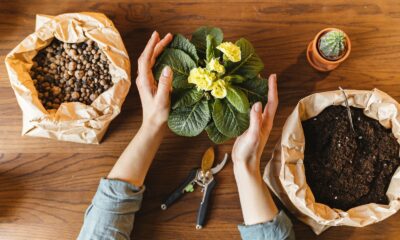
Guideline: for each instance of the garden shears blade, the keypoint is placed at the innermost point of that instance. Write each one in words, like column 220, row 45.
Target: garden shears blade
column 220, row 165
column 207, row 160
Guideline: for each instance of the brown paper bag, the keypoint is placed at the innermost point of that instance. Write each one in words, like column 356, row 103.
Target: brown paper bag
column 72, row 121
column 285, row 173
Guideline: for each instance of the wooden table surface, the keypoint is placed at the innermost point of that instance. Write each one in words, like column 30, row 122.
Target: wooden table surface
column 46, row 185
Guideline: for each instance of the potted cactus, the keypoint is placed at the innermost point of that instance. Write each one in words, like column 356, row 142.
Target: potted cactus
column 329, row 49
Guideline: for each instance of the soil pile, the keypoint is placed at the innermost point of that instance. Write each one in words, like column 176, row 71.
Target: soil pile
column 346, row 169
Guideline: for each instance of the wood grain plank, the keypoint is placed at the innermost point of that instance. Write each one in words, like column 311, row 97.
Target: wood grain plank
column 46, row 185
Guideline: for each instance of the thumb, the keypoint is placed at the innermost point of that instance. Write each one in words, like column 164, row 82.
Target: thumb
column 255, row 121
column 164, row 84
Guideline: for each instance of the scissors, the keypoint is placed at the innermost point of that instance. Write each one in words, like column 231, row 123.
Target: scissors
column 204, row 177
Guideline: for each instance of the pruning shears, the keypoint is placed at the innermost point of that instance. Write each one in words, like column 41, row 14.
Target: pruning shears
column 204, row 177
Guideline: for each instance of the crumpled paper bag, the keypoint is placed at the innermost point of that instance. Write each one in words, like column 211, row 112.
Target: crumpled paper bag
column 285, row 174
column 72, row 121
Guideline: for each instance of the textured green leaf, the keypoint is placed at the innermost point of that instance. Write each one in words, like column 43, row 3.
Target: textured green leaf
column 182, row 43
column 187, row 98
column 256, row 89
column 190, row 121
column 180, row 63
column 189, row 188
column 200, row 41
column 228, row 121
column 215, row 135
column 211, row 48
column 238, row 99
column 250, row 64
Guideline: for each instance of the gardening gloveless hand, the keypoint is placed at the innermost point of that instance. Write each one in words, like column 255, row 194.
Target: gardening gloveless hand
column 155, row 98
column 134, row 163
column 256, row 201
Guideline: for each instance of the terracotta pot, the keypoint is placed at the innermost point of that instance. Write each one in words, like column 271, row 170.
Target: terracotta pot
column 320, row 63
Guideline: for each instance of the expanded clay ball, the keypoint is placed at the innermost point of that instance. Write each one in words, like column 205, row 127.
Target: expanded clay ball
column 70, row 72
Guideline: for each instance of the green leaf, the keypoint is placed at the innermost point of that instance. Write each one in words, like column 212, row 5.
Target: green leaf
column 238, row 99
column 182, row 43
column 215, row 135
column 235, row 78
column 180, row 63
column 211, row 48
column 228, row 121
column 256, row 89
column 190, row 121
column 200, row 41
column 250, row 64
column 189, row 188
column 187, row 98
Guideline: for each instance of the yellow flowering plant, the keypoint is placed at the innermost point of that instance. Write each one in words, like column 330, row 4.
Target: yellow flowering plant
column 231, row 51
column 202, row 78
column 215, row 83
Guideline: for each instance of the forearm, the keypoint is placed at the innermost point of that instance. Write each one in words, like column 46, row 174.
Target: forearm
column 134, row 163
column 255, row 198
column 112, row 212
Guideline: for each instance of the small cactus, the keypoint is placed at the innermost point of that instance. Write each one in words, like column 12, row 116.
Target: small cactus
column 332, row 45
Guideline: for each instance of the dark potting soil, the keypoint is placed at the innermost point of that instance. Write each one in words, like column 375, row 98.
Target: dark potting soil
column 346, row 169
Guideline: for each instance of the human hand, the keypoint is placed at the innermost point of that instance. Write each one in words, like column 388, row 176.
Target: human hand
column 155, row 97
column 249, row 146
column 134, row 163
column 255, row 199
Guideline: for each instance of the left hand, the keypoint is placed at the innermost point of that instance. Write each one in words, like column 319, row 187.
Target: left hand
column 155, row 97
column 134, row 163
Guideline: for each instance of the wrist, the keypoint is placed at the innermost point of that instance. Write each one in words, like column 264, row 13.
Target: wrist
column 154, row 129
column 246, row 169
column 255, row 199
column 246, row 176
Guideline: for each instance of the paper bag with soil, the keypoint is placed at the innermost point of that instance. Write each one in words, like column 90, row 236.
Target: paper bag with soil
column 285, row 173
column 71, row 121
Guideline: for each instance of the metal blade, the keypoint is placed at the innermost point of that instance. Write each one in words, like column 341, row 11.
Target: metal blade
column 348, row 109
column 220, row 165
column 208, row 160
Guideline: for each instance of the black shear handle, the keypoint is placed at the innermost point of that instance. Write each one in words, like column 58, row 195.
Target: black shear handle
column 177, row 193
column 201, row 215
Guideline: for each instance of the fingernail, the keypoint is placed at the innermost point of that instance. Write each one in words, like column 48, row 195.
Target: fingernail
column 166, row 72
column 257, row 107
column 154, row 33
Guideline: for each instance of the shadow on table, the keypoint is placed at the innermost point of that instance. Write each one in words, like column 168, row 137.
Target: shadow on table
column 12, row 192
column 298, row 80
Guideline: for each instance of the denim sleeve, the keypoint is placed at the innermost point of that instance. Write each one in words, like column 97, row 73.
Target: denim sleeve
column 112, row 212
column 280, row 228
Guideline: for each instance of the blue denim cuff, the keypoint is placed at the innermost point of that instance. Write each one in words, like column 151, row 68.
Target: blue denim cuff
column 118, row 196
column 279, row 228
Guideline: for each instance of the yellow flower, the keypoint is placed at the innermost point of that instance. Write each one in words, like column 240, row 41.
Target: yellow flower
column 219, row 89
column 202, row 78
column 214, row 65
column 231, row 51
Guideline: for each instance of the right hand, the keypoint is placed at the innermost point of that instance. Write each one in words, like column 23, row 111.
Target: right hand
column 249, row 146
column 255, row 200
